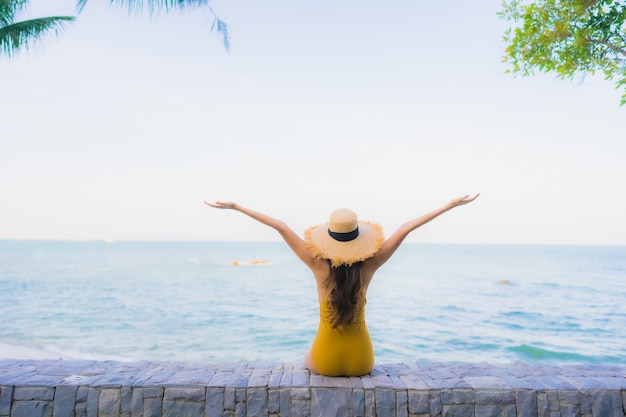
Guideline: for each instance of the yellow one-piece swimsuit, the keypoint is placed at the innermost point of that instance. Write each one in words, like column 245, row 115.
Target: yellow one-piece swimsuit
column 345, row 350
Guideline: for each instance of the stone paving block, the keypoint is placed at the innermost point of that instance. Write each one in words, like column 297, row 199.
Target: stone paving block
column 494, row 396
column 495, row 410
column 397, row 382
column 382, row 381
column 286, row 377
column 583, row 382
column 179, row 408
column 259, row 378
column 331, row 402
column 229, row 398
column 274, row 379
column 285, row 401
column 64, row 401
column 153, row 392
column 31, row 409
column 33, row 393
column 419, row 401
column 239, row 380
column 518, row 383
column 161, row 374
column 440, row 371
column 554, row 382
column 396, row 369
column 152, row 407
column 190, row 377
column 526, row 402
column 13, row 371
column 435, row 403
column 402, row 403
column 570, row 410
column 185, row 394
column 612, row 382
column 136, row 402
column 273, row 400
column 358, row 400
column 464, row 370
column 81, row 394
column 125, row 399
column 446, row 396
column 241, row 409
column 240, row 395
column 6, row 396
column 569, row 397
column 257, row 402
column 432, row 384
column 215, row 401
column 367, row 383
column 109, row 402
column 370, row 402
column 618, row 404
column 543, row 406
column 300, row 378
column 92, row 402
column 553, row 400
column 300, row 402
column 463, row 396
column 219, row 379
column 81, row 410
column 414, row 382
column 330, row 382
column 356, row 382
column 385, row 402
column 458, row 410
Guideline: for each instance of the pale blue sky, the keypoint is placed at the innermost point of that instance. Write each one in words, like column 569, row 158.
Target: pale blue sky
column 123, row 125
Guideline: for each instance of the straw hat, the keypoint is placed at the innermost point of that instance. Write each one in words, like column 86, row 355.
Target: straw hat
column 344, row 240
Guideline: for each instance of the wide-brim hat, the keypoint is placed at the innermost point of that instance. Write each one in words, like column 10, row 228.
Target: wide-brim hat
column 344, row 240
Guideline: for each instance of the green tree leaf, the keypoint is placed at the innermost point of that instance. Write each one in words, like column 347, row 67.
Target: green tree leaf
column 567, row 37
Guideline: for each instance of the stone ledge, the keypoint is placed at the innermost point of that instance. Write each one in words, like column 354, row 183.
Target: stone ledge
column 59, row 388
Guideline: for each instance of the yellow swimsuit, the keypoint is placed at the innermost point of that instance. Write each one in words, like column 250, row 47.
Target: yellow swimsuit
column 345, row 350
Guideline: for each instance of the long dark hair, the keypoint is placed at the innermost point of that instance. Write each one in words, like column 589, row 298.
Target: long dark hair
column 345, row 293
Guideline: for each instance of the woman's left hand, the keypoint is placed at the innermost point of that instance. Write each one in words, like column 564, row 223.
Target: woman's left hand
column 463, row 200
column 221, row 204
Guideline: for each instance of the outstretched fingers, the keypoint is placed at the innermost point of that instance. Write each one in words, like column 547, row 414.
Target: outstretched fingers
column 468, row 199
column 464, row 200
column 220, row 204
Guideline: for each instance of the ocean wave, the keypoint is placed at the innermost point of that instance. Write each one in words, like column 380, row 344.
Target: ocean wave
column 536, row 353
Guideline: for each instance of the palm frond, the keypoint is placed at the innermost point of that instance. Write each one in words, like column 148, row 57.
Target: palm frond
column 221, row 27
column 19, row 35
column 80, row 5
column 151, row 5
column 137, row 6
column 8, row 10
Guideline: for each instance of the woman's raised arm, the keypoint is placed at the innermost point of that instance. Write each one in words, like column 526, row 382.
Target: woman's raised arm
column 292, row 239
column 394, row 241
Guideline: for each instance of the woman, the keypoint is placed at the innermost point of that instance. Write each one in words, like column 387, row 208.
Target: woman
column 343, row 256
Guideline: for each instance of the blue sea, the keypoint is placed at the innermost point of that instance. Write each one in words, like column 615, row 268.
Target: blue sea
column 253, row 301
